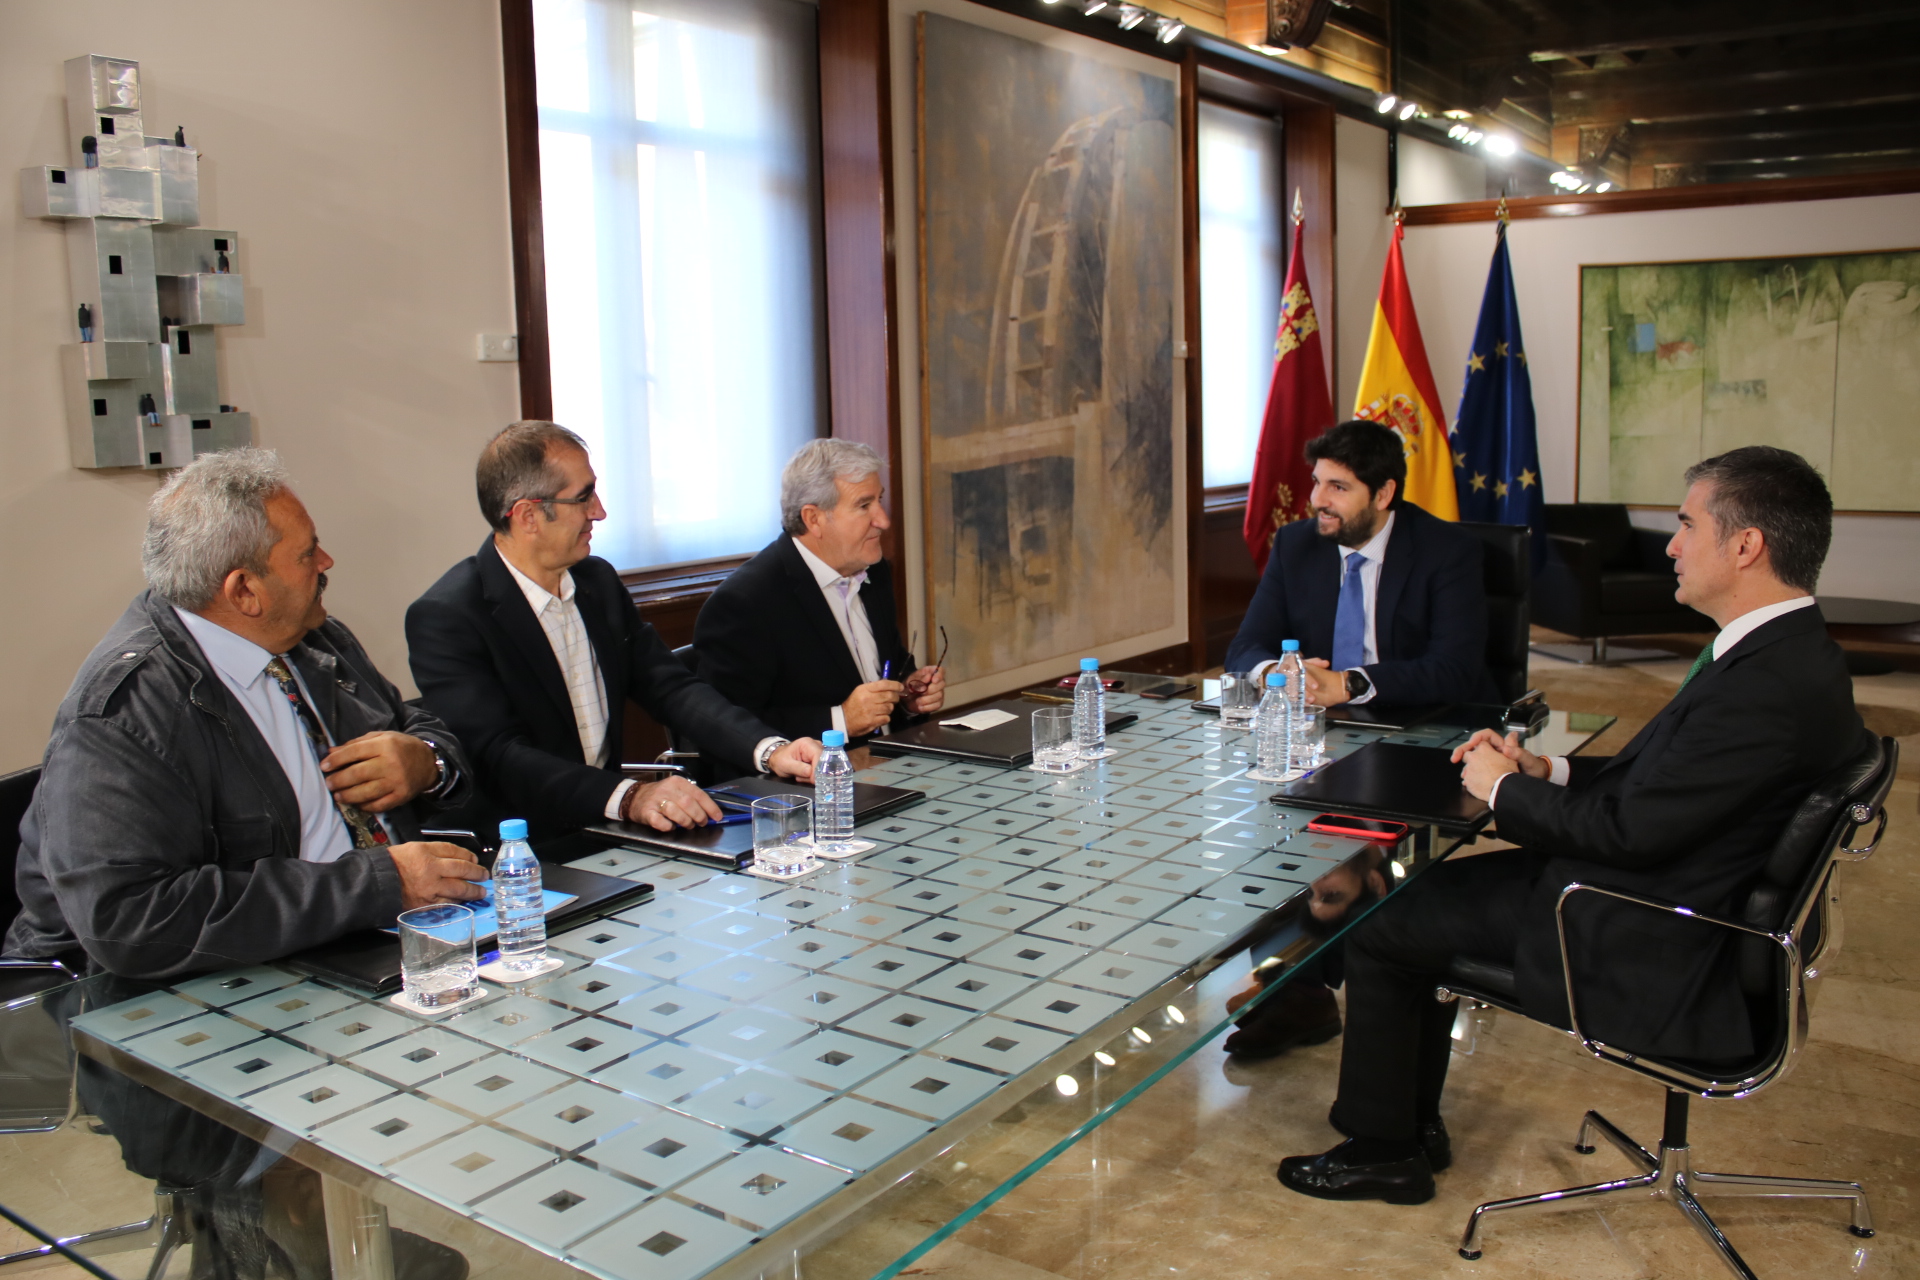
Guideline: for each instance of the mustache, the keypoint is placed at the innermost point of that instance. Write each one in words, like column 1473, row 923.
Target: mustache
column 320, row 588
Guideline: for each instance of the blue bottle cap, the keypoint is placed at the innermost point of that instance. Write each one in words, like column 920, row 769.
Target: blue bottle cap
column 513, row 828
column 1089, row 664
column 1275, row 680
column 1289, row 646
column 834, row 738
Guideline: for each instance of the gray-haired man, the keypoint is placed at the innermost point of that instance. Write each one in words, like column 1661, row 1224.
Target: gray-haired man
column 230, row 779
column 803, row 635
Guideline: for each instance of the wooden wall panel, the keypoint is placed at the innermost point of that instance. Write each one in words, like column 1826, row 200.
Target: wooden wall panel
column 523, row 204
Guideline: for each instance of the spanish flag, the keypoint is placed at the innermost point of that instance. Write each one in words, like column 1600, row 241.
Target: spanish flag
column 1397, row 390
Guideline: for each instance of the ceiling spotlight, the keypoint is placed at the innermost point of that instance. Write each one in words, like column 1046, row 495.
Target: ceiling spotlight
column 1473, row 137
column 1386, row 103
column 1501, row 145
column 1566, row 179
column 1091, row 7
column 1131, row 16
column 1605, row 186
column 1067, row 1086
column 1457, row 114
column 1104, row 1059
column 1409, row 110
column 1167, row 30
column 1458, row 132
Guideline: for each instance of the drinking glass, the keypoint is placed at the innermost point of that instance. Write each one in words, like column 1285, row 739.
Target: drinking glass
column 436, row 955
column 1310, row 737
column 1054, row 750
column 1239, row 695
column 783, row 835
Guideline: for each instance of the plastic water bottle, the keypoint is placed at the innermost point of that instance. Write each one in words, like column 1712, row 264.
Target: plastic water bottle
column 1294, row 669
column 833, row 795
column 518, row 900
column 1090, row 711
column 1273, row 731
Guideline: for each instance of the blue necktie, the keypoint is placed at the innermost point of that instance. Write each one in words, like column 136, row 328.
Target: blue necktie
column 1350, row 618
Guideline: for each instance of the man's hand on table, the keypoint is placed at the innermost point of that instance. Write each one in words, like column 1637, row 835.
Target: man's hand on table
column 1325, row 686
column 433, row 871
column 380, row 771
column 671, row 802
column 1490, row 757
column 795, row 760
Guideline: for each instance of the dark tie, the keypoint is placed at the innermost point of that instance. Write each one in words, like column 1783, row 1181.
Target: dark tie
column 366, row 832
column 1350, row 618
column 1706, row 656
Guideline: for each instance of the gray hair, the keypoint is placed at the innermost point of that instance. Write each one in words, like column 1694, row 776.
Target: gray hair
column 809, row 480
column 515, row 465
column 207, row 521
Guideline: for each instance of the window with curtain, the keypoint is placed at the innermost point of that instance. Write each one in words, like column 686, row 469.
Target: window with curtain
column 1242, row 268
column 680, row 190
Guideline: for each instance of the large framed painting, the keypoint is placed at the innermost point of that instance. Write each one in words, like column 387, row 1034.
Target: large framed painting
column 1680, row 361
column 1050, row 286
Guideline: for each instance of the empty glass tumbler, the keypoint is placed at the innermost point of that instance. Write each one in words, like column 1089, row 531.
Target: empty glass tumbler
column 1054, row 747
column 783, row 835
column 436, row 955
column 1239, row 697
column 1309, row 736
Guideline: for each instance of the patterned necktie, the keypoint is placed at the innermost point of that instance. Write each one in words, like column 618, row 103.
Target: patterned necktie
column 366, row 832
column 1350, row 618
column 1699, row 663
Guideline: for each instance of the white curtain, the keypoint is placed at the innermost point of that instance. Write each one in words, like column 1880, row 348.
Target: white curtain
column 1242, row 267
column 679, row 171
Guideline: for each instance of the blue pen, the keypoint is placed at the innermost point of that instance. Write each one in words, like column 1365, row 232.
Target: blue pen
column 886, row 669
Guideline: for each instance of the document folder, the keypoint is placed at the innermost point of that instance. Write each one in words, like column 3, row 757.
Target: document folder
column 1008, row 745
column 1416, row 785
column 731, row 846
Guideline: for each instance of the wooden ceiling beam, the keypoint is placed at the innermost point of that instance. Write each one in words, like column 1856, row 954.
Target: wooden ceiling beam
column 1678, row 93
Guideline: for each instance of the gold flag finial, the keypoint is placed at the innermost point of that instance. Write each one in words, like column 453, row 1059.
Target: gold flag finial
column 1500, row 213
column 1399, row 214
column 1299, row 209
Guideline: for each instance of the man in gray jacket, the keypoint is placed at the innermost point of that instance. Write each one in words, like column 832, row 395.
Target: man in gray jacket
column 230, row 779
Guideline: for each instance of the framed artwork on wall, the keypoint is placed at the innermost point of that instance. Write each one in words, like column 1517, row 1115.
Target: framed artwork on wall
column 1050, row 295
column 1819, row 354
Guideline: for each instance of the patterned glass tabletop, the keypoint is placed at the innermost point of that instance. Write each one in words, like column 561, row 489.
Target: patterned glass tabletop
column 720, row 1074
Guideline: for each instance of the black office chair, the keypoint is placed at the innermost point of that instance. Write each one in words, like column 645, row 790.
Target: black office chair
column 19, row 978
column 1604, row 577
column 1785, row 924
column 681, row 749
column 1508, row 575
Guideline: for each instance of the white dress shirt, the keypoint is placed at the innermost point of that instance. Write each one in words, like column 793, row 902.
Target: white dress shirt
column 242, row 667
column 849, row 612
column 1559, row 771
column 1375, row 551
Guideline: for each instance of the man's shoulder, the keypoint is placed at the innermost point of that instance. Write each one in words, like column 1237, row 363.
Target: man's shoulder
column 767, row 567
column 136, row 675
column 458, row 586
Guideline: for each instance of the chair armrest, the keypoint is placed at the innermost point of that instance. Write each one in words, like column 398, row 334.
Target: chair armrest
column 1650, row 545
column 13, row 964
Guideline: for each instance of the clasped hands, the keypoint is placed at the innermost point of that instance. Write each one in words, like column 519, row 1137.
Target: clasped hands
column 1490, row 757
column 871, row 705
column 675, row 802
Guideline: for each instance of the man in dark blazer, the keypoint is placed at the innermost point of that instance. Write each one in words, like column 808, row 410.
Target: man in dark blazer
column 803, row 635
column 1387, row 602
column 1687, row 812
column 533, row 646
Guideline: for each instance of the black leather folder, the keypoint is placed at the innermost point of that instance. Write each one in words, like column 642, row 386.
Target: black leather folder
column 731, row 846
column 1009, row 745
column 370, row 960
column 1419, row 786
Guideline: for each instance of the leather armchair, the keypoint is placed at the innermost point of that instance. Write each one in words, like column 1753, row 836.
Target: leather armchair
column 1605, row 578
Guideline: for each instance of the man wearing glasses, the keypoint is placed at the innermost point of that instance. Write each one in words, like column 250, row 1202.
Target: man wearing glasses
column 533, row 645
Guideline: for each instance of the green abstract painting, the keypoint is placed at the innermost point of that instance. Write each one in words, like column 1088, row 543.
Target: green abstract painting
column 1683, row 360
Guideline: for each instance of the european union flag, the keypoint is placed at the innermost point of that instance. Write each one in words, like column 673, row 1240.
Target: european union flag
column 1496, row 458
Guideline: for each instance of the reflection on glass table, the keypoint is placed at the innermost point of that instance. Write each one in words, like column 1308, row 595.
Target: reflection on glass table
column 738, row 1074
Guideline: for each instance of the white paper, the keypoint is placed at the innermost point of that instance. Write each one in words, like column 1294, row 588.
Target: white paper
column 983, row 719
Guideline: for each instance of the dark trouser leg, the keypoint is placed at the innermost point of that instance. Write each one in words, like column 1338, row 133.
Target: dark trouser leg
column 1393, row 1061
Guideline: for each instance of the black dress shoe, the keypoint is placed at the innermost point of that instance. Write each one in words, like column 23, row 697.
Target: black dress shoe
column 1297, row 1014
column 1339, row 1175
column 1432, row 1137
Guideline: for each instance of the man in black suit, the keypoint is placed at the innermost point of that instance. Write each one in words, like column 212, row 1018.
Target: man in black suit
column 803, row 635
column 1389, row 605
column 533, row 645
column 1687, row 812
column 1386, row 601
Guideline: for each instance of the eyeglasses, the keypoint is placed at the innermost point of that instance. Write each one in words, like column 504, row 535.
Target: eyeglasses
column 913, row 642
column 586, row 496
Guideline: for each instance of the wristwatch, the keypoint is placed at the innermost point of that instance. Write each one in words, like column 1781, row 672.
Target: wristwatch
column 766, row 753
column 1357, row 684
column 444, row 779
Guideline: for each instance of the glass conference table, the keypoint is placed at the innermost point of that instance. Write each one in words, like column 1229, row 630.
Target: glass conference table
column 736, row 1078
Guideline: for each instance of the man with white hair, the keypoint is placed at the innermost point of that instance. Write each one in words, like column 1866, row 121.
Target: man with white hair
column 803, row 635
column 229, row 779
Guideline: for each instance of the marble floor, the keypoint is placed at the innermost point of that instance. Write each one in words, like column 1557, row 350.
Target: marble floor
column 1182, row 1181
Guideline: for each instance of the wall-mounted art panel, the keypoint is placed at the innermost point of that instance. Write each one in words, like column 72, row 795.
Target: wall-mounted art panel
column 1050, row 278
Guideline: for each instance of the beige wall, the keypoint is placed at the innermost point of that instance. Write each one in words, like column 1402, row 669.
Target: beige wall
column 1876, row 556
column 358, row 149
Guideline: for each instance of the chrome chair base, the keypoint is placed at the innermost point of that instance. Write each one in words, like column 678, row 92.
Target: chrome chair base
column 1670, row 1176
column 167, row 1230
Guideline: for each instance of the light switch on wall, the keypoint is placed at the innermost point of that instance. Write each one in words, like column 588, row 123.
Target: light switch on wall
column 499, row 347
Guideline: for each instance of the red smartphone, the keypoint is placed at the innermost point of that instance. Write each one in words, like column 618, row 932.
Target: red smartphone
column 1067, row 682
column 1345, row 824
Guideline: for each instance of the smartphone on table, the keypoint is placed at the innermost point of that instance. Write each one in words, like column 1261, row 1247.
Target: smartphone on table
column 1346, row 824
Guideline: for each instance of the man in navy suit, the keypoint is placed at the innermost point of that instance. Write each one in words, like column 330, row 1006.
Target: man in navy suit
column 1389, row 606
column 1386, row 601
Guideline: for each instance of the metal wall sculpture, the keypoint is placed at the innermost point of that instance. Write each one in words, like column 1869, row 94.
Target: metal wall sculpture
column 1050, row 271
column 149, row 283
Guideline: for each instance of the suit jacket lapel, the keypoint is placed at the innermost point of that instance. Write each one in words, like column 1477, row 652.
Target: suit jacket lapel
column 813, row 606
column 607, row 650
column 1395, row 569
column 515, row 617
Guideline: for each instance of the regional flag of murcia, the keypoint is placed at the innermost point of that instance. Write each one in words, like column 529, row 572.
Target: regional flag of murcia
column 1397, row 390
column 1298, row 409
